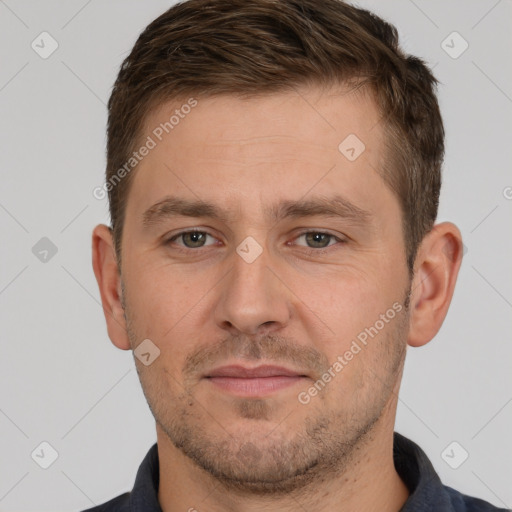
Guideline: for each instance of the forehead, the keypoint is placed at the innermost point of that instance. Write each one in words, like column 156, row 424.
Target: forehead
column 278, row 144
column 318, row 115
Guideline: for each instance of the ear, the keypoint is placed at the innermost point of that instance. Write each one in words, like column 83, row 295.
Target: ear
column 435, row 273
column 107, row 274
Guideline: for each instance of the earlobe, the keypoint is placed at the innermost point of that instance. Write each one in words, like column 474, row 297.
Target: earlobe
column 109, row 282
column 436, row 268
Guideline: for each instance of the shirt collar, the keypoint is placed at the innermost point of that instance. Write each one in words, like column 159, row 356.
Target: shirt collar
column 416, row 471
column 144, row 496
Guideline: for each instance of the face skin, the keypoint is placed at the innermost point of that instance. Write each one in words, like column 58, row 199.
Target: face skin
column 296, row 306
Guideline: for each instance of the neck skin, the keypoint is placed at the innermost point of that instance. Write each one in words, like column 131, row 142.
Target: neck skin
column 370, row 483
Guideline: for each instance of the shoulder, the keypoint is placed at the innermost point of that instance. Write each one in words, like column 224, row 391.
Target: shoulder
column 117, row 504
column 144, row 494
column 463, row 503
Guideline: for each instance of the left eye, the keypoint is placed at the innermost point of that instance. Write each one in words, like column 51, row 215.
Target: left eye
column 192, row 239
column 317, row 239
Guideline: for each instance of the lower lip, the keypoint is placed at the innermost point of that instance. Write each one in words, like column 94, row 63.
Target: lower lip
column 256, row 386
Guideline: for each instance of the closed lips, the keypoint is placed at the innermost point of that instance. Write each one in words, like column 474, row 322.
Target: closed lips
column 241, row 372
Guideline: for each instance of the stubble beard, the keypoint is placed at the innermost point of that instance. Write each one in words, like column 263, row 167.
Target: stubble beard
column 271, row 461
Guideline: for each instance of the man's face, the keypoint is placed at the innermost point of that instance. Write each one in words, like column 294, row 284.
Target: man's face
column 212, row 299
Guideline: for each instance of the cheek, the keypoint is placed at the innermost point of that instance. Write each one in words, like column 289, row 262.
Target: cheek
column 343, row 303
column 160, row 298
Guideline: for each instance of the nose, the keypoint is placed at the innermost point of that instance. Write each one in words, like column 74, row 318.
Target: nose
column 252, row 299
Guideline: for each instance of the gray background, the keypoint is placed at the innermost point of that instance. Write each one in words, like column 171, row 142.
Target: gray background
column 63, row 382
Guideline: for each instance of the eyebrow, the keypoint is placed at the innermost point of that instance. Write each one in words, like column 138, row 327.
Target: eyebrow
column 335, row 206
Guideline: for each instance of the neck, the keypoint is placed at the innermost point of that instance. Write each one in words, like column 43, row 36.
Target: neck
column 369, row 482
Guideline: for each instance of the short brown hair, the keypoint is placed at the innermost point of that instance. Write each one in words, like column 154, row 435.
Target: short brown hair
column 253, row 47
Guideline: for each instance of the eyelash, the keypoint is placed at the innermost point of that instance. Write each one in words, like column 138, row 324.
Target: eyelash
column 308, row 250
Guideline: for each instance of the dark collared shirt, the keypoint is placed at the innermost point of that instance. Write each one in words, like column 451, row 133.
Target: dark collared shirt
column 427, row 493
